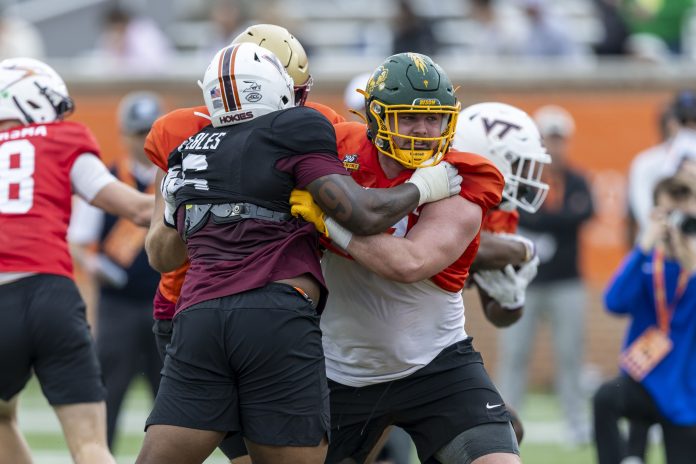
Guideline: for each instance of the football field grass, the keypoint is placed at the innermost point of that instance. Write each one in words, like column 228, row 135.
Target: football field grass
column 543, row 444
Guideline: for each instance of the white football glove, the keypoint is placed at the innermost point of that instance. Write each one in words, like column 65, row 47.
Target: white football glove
column 506, row 286
column 171, row 183
column 436, row 182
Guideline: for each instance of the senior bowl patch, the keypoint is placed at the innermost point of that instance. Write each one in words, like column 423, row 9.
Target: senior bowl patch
column 350, row 162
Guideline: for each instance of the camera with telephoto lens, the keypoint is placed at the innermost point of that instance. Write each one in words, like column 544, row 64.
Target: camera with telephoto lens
column 684, row 222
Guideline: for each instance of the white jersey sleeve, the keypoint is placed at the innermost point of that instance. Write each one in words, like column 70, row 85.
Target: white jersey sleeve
column 88, row 176
column 86, row 223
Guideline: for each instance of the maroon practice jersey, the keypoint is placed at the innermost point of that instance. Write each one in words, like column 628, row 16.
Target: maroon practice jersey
column 35, row 195
column 258, row 162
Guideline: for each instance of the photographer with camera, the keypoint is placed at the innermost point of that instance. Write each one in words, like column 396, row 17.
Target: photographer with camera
column 656, row 287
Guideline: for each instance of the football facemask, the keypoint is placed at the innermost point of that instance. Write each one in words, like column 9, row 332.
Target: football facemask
column 510, row 139
column 418, row 150
column 410, row 83
column 32, row 92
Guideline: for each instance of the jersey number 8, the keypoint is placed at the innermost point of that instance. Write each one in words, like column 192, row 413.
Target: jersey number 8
column 16, row 176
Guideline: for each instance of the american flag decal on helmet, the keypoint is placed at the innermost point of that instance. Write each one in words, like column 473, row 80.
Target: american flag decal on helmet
column 228, row 83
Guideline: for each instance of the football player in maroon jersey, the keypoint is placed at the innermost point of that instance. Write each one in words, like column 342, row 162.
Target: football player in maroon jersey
column 43, row 161
column 246, row 354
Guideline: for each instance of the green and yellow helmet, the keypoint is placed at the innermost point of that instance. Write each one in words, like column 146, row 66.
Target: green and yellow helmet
column 409, row 83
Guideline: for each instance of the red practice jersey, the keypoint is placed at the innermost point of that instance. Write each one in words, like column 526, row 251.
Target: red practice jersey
column 35, row 194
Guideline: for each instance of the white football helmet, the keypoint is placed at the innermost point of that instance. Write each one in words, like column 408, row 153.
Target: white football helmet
column 245, row 81
column 509, row 138
column 32, row 92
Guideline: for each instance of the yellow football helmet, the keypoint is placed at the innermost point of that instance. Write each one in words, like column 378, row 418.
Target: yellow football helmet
column 289, row 51
column 410, row 83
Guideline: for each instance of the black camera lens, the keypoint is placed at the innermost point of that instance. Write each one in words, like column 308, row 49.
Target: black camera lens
column 682, row 221
column 688, row 225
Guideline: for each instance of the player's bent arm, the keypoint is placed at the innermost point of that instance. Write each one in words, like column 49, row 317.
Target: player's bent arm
column 444, row 230
column 495, row 252
column 93, row 182
column 360, row 210
column 165, row 249
column 626, row 289
column 494, row 311
column 123, row 200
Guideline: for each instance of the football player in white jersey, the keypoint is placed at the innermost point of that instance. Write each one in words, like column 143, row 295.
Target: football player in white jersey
column 396, row 349
column 506, row 262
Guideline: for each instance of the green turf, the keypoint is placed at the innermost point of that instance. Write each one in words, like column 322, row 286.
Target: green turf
column 539, row 408
column 558, row 454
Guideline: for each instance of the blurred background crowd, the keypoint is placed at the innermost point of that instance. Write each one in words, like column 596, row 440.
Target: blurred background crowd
column 149, row 34
column 611, row 71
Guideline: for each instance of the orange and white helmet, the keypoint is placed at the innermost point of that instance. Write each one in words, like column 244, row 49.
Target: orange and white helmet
column 509, row 138
column 32, row 92
column 245, row 81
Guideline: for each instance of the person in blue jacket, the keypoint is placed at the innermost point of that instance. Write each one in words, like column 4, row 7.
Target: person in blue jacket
column 656, row 288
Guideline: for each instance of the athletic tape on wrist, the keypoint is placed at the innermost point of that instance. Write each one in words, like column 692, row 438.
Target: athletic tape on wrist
column 338, row 234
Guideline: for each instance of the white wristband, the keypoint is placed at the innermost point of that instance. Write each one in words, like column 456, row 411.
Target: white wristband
column 338, row 234
column 423, row 189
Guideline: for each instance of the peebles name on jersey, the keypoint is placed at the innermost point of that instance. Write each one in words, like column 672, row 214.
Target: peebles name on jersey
column 219, row 160
column 202, row 141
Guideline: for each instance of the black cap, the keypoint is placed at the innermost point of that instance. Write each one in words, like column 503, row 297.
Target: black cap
column 684, row 106
column 138, row 111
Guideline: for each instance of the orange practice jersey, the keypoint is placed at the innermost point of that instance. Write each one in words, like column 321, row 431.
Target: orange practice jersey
column 167, row 133
column 498, row 221
column 482, row 184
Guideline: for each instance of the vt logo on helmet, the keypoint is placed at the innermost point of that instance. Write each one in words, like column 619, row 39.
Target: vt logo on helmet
column 509, row 138
column 411, row 110
column 245, row 81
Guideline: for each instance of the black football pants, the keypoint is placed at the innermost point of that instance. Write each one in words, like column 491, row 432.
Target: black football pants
column 624, row 397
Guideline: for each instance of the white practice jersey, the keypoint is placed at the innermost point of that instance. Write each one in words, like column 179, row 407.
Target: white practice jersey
column 377, row 330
